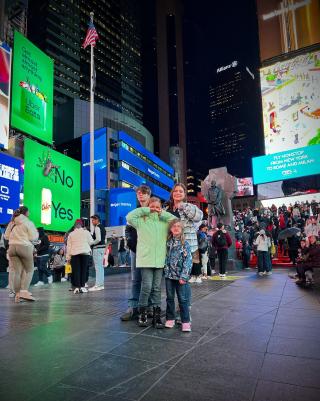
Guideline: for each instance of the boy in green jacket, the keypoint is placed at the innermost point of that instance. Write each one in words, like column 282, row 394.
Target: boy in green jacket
column 152, row 225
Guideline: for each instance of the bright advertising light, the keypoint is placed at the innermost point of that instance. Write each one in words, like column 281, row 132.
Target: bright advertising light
column 51, row 187
column 32, row 90
column 244, row 186
column 291, row 103
column 5, row 72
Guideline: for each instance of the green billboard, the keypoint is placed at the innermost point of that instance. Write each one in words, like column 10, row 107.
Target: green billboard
column 51, row 187
column 32, row 90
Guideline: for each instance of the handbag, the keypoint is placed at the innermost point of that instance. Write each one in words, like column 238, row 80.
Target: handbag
column 67, row 268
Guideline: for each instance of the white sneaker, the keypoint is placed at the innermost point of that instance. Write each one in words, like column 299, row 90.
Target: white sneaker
column 50, row 280
column 83, row 289
column 264, row 273
column 213, row 272
column 86, row 285
column 12, row 294
column 64, row 279
column 198, row 280
column 261, row 274
column 76, row 291
column 192, row 279
column 39, row 283
column 96, row 288
column 268, row 273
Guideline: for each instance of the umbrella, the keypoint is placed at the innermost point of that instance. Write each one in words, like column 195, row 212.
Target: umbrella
column 289, row 232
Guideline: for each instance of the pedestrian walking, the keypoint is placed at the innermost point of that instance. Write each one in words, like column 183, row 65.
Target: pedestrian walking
column 42, row 258
column 122, row 253
column 221, row 240
column 151, row 224
column 99, row 245
column 21, row 234
column 177, row 271
column 78, row 251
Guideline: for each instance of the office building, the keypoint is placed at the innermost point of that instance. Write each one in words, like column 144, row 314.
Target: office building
column 59, row 29
column 234, row 112
column 13, row 16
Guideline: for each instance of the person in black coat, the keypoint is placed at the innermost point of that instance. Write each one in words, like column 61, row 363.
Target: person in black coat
column 42, row 258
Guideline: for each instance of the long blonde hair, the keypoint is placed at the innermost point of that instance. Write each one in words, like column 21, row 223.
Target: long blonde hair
column 172, row 223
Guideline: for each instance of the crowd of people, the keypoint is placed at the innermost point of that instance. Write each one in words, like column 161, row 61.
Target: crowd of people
column 169, row 240
column 271, row 232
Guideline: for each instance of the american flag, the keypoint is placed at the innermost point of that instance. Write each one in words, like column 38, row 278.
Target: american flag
column 92, row 36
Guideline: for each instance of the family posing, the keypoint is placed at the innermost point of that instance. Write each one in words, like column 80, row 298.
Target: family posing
column 162, row 242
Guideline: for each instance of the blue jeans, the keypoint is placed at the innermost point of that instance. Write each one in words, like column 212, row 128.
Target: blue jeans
column 97, row 254
column 133, row 302
column 122, row 258
column 150, row 287
column 42, row 265
column 264, row 262
column 184, row 297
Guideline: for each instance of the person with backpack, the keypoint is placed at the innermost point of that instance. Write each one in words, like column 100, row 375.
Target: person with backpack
column 221, row 240
column 99, row 244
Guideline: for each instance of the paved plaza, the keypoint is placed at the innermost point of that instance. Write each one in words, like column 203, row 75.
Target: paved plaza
column 253, row 339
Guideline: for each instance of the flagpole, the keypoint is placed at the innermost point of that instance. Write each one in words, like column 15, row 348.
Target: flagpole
column 92, row 197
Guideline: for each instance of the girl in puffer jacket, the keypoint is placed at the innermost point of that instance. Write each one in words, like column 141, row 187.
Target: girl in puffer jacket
column 177, row 273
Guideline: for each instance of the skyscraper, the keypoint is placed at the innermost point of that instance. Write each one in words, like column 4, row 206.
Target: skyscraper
column 13, row 16
column 234, row 115
column 59, row 29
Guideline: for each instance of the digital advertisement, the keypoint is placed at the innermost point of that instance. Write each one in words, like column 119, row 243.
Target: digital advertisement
column 291, row 103
column 51, row 187
column 100, row 160
column 32, row 90
column 10, row 182
column 121, row 202
column 5, row 72
column 284, row 165
column 244, row 186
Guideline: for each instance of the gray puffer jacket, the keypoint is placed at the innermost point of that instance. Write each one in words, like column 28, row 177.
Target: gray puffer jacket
column 191, row 216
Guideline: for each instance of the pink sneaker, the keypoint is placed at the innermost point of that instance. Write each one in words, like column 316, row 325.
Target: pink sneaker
column 169, row 324
column 186, row 327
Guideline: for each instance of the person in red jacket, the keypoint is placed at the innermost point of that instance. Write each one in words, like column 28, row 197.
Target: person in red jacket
column 221, row 240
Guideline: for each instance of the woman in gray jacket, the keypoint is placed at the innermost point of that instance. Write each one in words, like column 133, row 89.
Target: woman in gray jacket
column 21, row 234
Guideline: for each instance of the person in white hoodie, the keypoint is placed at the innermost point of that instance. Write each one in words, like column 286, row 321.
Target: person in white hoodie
column 263, row 244
column 21, row 234
column 78, row 251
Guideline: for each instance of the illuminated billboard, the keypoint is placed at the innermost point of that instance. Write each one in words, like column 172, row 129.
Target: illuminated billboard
column 284, row 165
column 100, row 160
column 287, row 25
column 10, row 180
column 121, row 202
column 291, row 103
column 244, row 186
column 32, row 90
column 5, row 72
column 51, row 187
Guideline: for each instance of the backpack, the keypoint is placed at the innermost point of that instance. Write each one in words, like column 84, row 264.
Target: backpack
column 221, row 239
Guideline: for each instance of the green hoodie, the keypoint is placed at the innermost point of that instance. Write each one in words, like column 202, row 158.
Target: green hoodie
column 152, row 231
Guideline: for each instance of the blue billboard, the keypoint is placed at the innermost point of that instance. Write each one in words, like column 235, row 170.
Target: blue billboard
column 136, row 145
column 144, row 167
column 100, row 160
column 136, row 180
column 10, row 181
column 284, row 165
column 121, row 202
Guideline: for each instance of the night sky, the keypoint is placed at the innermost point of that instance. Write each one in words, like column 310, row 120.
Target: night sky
column 215, row 34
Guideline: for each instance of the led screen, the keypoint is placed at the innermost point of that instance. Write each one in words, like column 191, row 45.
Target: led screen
column 100, row 160
column 284, row 165
column 291, row 103
column 32, row 90
column 10, row 180
column 121, row 202
column 51, row 187
column 5, row 72
column 244, row 186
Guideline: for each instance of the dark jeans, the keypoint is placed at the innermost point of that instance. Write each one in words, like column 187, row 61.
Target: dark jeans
column 264, row 262
column 293, row 254
column 212, row 263
column 79, row 264
column 184, row 298
column 58, row 272
column 223, row 259
column 150, row 287
column 301, row 270
column 246, row 258
column 42, row 265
